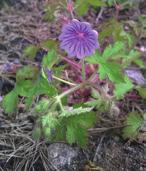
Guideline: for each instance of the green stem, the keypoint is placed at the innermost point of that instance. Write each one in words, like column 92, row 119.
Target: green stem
column 72, row 90
column 64, row 81
column 60, row 103
column 83, row 69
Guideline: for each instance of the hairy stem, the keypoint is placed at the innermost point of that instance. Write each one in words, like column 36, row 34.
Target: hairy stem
column 72, row 90
column 64, row 81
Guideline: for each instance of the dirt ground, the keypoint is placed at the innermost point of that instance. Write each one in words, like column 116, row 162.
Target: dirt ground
column 22, row 24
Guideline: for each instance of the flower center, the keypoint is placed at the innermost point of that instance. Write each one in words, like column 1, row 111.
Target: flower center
column 80, row 34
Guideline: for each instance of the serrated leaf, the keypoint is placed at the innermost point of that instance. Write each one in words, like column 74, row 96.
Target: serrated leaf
column 87, row 120
column 115, row 30
column 81, row 7
column 82, row 137
column 133, row 122
column 76, row 127
column 70, row 134
column 113, row 50
column 50, row 59
column 122, row 88
column 9, row 102
column 24, row 88
column 94, row 58
column 112, row 70
column 44, row 87
column 42, row 106
column 111, row 28
column 49, row 44
column 27, row 72
column 31, row 51
column 49, row 123
column 132, row 57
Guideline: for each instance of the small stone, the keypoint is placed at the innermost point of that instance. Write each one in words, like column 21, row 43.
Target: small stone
column 63, row 157
column 3, row 47
column 14, row 55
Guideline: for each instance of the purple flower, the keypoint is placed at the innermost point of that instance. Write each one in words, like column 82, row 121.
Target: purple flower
column 78, row 39
column 8, row 67
column 49, row 74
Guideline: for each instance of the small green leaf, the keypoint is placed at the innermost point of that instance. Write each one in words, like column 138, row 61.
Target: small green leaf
column 70, row 134
column 122, row 88
column 24, row 87
column 9, row 102
column 44, row 87
column 49, row 123
column 49, row 44
column 31, row 51
column 82, row 137
column 50, row 59
column 114, row 50
column 132, row 56
column 42, row 106
column 113, row 70
column 27, row 72
column 133, row 122
column 142, row 91
column 94, row 58
column 81, row 7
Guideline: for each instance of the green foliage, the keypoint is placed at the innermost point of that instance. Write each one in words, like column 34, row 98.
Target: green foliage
column 142, row 91
column 99, row 102
column 55, row 120
column 70, row 125
column 132, row 56
column 52, row 9
column 107, row 68
column 10, row 102
column 42, row 106
column 27, row 72
column 49, row 122
column 115, row 30
column 29, row 84
column 31, row 51
column 24, row 87
column 114, row 50
column 49, row 44
column 112, row 70
column 122, row 88
column 76, row 126
column 112, row 62
column 50, row 59
column 82, row 6
column 133, row 122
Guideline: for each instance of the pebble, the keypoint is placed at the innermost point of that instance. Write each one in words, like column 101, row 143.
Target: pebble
column 63, row 157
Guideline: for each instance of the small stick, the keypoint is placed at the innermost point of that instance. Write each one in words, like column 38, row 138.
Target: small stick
column 100, row 14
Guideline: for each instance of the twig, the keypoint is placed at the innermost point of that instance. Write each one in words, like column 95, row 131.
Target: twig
column 100, row 14
column 97, row 149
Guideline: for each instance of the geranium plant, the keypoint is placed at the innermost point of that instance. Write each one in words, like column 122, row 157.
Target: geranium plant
column 64, row 92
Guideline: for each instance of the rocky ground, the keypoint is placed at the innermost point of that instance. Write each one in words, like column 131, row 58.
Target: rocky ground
column 21, row 24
